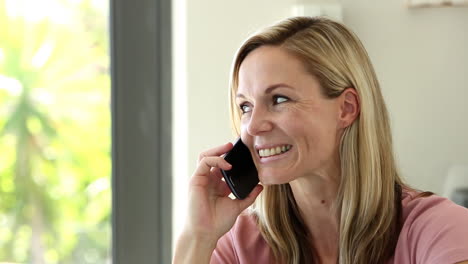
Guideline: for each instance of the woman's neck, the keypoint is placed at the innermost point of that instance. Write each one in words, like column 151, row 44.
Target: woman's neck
column 315, row 196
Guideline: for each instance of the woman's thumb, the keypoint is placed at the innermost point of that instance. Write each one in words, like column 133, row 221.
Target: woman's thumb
column 243, row 204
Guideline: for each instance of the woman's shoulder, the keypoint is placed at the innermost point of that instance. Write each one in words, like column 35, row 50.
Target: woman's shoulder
column 245, row 231
column 244, row 243
column 246, row 221
column 417, row 206
column 434, row 230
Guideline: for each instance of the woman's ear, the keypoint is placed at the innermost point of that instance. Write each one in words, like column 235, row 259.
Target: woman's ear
column 349, row 107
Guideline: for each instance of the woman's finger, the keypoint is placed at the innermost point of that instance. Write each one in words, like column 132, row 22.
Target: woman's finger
column 222, row 189
column 205, row 165
column 217, row 173
column 217, row 151
column 243, row 204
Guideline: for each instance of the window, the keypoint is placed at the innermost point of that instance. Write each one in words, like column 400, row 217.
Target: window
column 55, row 166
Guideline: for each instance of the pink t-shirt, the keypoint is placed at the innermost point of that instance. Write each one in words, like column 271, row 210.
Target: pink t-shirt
column 435, row 230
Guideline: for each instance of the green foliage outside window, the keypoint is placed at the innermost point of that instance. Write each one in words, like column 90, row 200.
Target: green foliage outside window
column 55, row 195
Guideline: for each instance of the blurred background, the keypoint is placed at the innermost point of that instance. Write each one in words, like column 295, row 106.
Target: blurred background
column 55, row 164
column 55, row 117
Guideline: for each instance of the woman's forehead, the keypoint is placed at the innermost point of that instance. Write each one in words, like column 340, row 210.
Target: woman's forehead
column 268, row 67
column 270, row 59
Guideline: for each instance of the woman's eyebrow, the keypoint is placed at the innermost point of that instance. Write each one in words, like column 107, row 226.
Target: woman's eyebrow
column 273, row 87
column 270, row 89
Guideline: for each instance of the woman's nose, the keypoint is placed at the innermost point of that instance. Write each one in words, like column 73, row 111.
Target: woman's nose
column 260, row 121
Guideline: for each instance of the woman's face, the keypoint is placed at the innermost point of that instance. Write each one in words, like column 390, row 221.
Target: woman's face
column 291, row 129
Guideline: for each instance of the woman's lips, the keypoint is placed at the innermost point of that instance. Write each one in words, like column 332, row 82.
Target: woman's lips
column 272, row 154
column 272, row 151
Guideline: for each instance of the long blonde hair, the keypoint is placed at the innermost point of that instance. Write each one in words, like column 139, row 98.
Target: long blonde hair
column 368, row 204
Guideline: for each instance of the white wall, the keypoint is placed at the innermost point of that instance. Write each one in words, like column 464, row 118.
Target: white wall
column 421, row 58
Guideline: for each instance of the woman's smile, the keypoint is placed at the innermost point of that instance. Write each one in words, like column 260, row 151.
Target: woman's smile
column 273, row 153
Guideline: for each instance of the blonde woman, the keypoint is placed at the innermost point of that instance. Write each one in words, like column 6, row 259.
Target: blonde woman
column 333, row 193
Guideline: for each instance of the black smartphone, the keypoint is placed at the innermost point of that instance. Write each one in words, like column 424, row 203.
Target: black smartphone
column 242, row 177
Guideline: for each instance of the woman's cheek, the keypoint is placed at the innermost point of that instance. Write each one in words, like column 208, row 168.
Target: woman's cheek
column 245, row 135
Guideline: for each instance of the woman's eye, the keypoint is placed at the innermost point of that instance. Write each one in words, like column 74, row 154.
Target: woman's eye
column 245, row 108
column 278, row 99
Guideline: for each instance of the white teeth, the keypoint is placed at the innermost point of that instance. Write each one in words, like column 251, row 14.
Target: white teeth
column 273, row 151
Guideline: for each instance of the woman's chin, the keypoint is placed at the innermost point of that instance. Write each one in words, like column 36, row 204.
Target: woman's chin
column 267, row 177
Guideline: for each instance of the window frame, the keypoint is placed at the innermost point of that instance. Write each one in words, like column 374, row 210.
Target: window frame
column 140, row 34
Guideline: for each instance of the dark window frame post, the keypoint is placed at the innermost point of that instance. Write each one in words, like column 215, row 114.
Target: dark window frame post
column 141, row 131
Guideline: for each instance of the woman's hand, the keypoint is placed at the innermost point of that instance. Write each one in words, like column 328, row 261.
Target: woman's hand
column 211, row 212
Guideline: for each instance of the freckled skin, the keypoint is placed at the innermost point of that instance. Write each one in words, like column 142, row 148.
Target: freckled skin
column 306, row 120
